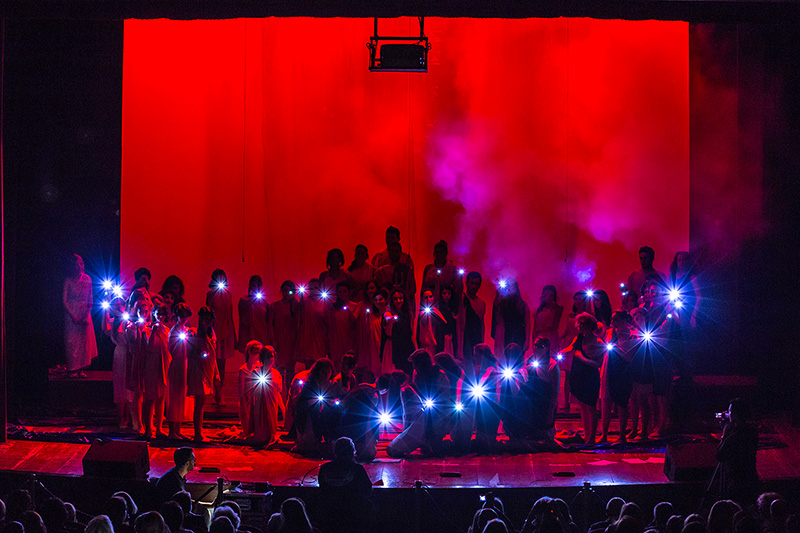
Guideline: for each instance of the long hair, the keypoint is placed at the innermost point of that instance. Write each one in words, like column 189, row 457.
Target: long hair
column 171, row 280
column 673, row 268
column 353, row 263
column 551, row 288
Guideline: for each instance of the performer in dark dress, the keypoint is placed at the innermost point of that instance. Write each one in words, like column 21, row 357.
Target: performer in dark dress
column 587, row 350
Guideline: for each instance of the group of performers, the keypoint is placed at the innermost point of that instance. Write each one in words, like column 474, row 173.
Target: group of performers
column 353, row 350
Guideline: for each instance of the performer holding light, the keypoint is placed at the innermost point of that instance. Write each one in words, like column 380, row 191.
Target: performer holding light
column 202, row 375
column 253, row 315
column 219, row 299
column 181, row 340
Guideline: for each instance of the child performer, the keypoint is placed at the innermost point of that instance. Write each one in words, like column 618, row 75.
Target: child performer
column 202, row 374
column 219, row 299
column 181, row 337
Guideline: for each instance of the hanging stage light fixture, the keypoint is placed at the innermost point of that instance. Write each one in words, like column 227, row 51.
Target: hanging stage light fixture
column 399, row 55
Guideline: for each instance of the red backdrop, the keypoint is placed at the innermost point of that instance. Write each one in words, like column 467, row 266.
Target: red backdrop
column 549, row 150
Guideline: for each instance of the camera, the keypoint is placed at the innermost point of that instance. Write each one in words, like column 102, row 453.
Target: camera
column 723, row 416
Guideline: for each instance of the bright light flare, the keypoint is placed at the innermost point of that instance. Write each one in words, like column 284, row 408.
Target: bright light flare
column 478, row 390
column 259, row 295
column 205, row 354
column 461, row 271
column 559, row 357
column 117, row 290
column 107, row 284
column 622, row 285
column 647, row 336
column 105, row 305
column 590, row 293
column 320, row 398
column 428, row 403
column 141, row 320
column 508, row 373
column 301, row 289
column 324, row 295
column 678, row 304
column 300, row 382
column 344, row 307
column 609, row 347
column 221, row 285
column 438, row 270
column 535, row 364
column 503, row 284
column 182, row 335
column 262, row 379
column 669, row 316
column 384, row 418
column 126, row 316
column 427, row 310
column 674, row 294
column 459, row 406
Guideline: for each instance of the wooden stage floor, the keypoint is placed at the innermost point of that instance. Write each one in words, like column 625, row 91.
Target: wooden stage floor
column 281, row 468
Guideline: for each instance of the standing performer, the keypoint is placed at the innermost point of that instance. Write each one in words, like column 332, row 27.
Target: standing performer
column 181, row 339
column 471, row 326
column 442, row 273
column 368, row 334
column 313, row 337
column 548, row 316
column 79, row 339
column 621, row 347
column 284, row 325
column 637, row 278
column 156, row 368
column 202, row 374
column 396, row 342
column 114, row 326
column 253, row 315
column 397, row 275
column 587, row 356
column 219, row 299
column 431, row 325
column 362, row 273
column 136, row 335
column 341, row 325
column 510, row 318
column 249, row 374
column 329, row 279
column 449, row 306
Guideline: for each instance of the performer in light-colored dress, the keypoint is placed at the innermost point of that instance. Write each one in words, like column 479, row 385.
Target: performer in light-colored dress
column 79, row 339
column 253, row 315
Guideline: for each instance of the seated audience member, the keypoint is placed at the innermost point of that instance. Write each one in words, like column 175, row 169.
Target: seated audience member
column 172, row 514
column 613, row 508
column 495, row 525
column 481, row 518
column 661, row 513
column 191, row 521
column 54, row 515
column 345, row 488
column 116, row 509
column 720, row 517
column 99, row 524
column 133, row 510
column 292, row 517
column 150, row 522
column 174, row 480
column 228, row 512
column 221, row 524
column 674, row 524
column 17, row 503
column 32, row 522
column 736, row 454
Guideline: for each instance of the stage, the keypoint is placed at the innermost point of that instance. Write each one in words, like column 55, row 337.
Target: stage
column 440, row 491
